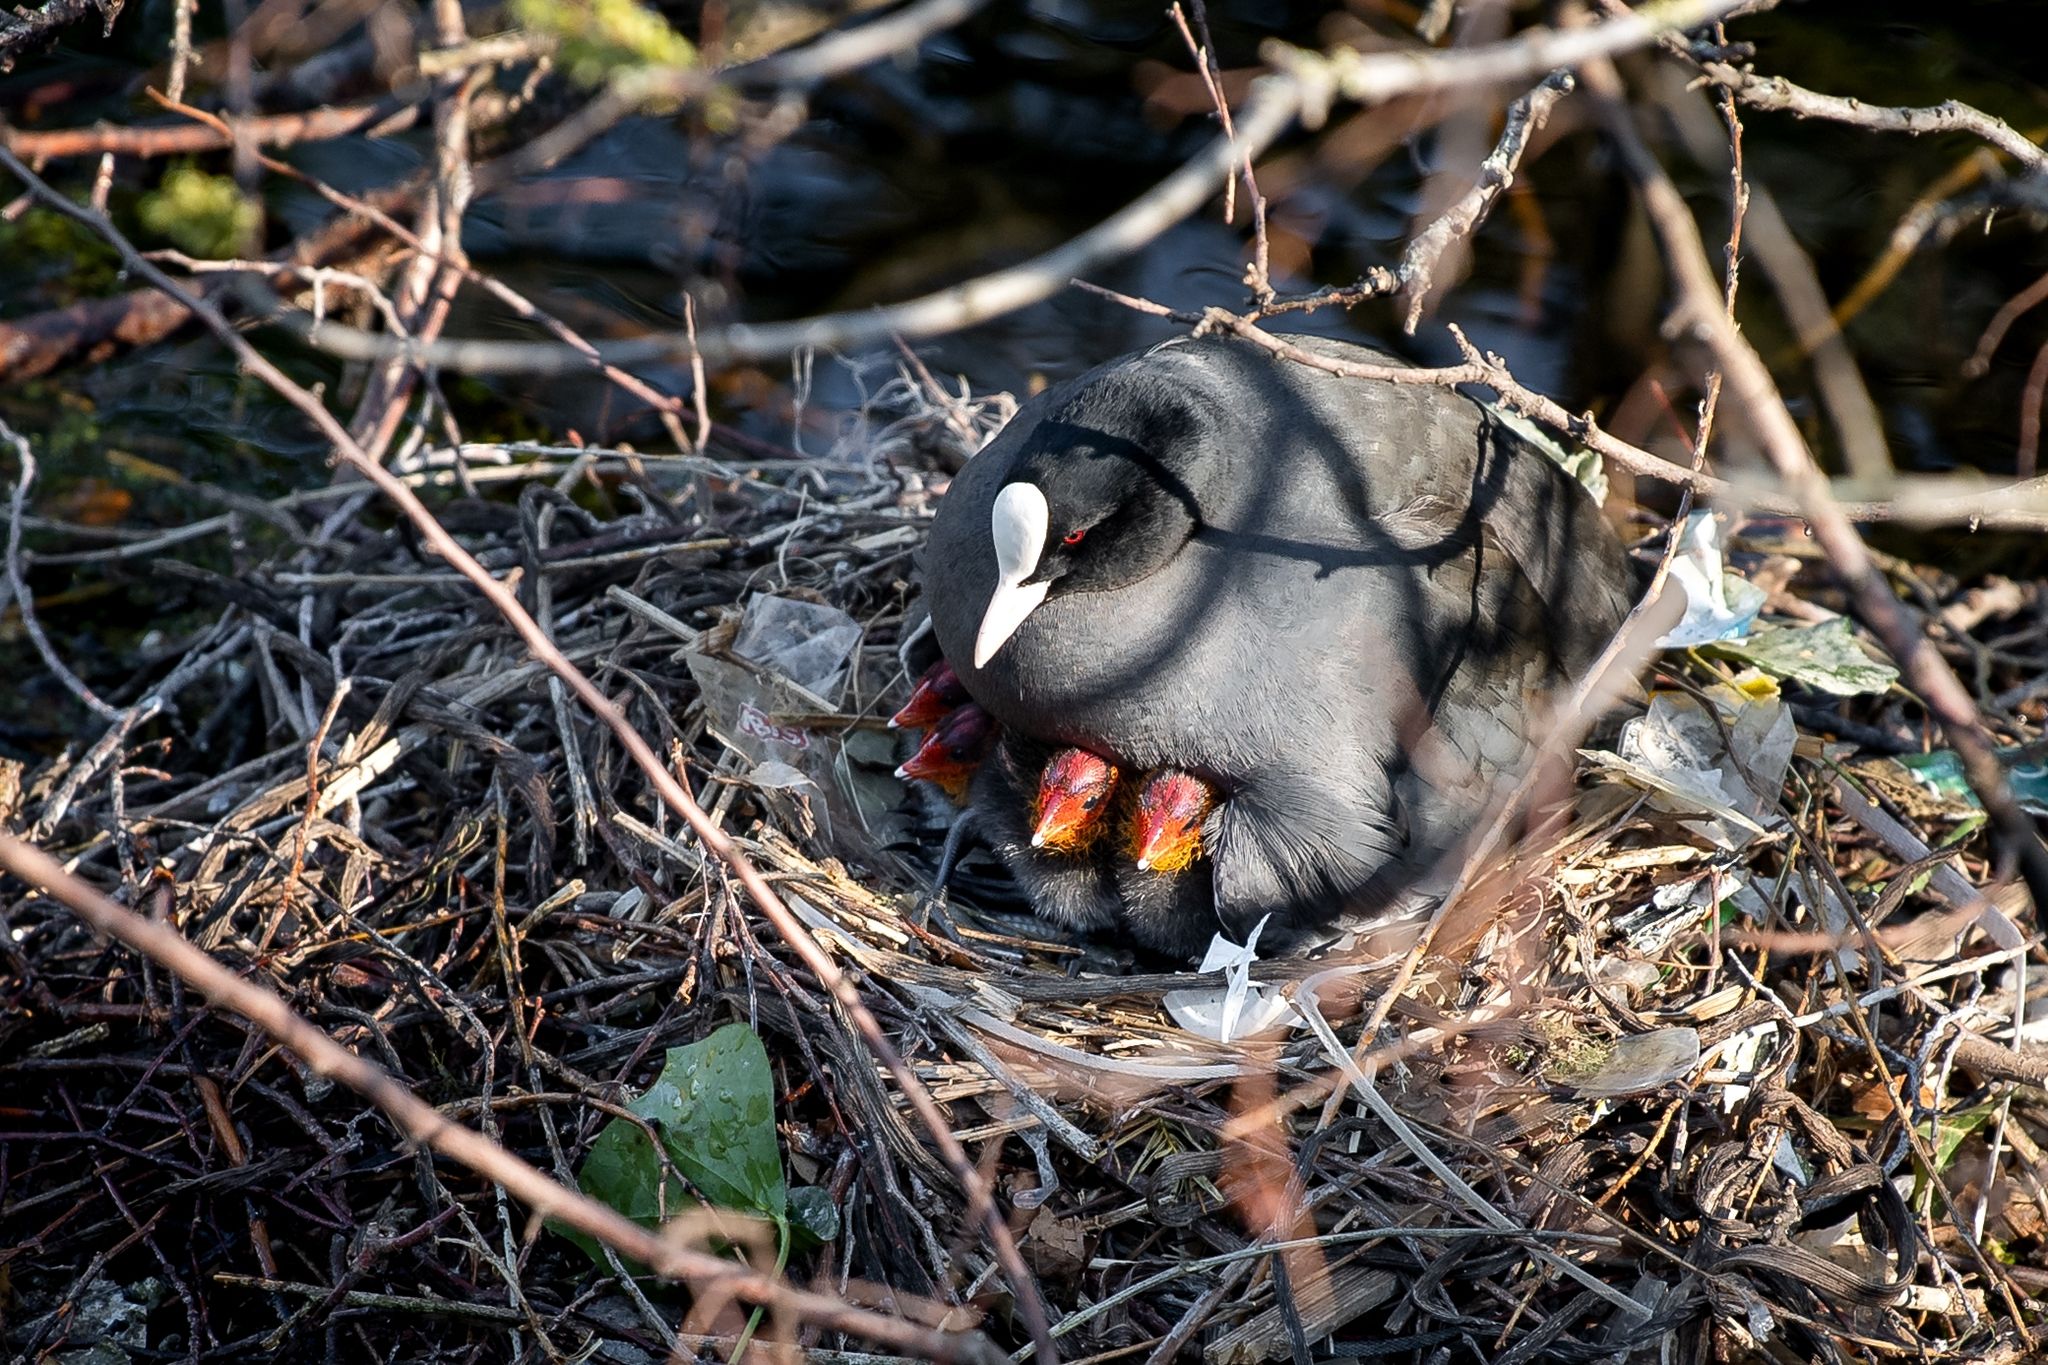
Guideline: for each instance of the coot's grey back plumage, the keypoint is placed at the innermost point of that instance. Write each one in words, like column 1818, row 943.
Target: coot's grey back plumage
column 1375, row 583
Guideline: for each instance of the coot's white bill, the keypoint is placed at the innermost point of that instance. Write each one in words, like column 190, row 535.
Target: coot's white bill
column 1017, row 526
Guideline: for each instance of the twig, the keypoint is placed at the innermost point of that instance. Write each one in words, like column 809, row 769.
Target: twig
column 2020, row 505
column 18, row 589
column 181, row 46
column 2027, row 458
column 1376, row 77
column 1791, row 273
column 668, row 406
column 1525, row 116
column 1259, row 274
column 24, row 26
column 2001, row 322
column 1167, row 203
column 1305, row 83
column 269, row 130
column 1950, row 116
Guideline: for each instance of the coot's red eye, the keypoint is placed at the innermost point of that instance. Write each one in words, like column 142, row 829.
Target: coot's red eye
column 1072, row 537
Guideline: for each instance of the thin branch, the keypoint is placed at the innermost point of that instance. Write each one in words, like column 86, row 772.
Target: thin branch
column 1306, row 83
column 185, row 139
column 1950, row 116
column 17, row 587
column 25, row 26
column 1376, row 77
column 668, row 406
column 1496, row 175
column 1271, row 109
column 1919, row 501
column 2001, row 322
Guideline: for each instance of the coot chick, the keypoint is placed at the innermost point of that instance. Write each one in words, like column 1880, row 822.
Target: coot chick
column 953, row 751
column 1340, row 601
column 1061, row 822
column 939, row 692
column 1043, row 814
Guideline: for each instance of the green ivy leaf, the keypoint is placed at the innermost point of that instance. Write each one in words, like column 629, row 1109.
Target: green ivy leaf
column 713, row 1107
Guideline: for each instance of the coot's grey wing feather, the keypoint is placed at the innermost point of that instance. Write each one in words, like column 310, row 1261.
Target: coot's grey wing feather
column 1284, row 849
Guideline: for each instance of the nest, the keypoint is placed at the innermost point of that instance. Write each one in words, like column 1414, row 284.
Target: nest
column 1660, row 1098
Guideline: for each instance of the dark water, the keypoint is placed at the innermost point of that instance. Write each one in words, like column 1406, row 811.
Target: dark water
column 1035, row 120
column 1019, row 129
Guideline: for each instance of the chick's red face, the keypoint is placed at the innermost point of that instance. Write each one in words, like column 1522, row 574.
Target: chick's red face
column 951, row 753
column 937, row 694
column 1166, row 834
column 1073, row 800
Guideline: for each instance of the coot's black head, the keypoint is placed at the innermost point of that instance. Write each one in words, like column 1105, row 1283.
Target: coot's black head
column 1104, row 494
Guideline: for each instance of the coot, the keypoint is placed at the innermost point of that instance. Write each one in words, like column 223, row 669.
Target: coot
column 1339, row 602
column 939, row 692
column 953, row 752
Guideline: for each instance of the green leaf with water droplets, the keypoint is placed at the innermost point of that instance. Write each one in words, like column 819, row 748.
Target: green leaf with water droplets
column 812, row 1214
column 713, row 1107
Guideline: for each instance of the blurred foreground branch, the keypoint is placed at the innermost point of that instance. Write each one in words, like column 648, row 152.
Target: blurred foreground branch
column 422, row 1123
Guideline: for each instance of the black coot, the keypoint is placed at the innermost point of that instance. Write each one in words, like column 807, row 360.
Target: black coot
column 1339, row 601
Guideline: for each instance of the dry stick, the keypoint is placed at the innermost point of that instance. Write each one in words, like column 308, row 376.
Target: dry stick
column 25, row 25
column 2019, row 506
column 1259, row 275
column 270, row 130
column 1699, row 308
column 1306, row 83
column 428, row 288
column 981, row 1204
column 1525, row 117
column 2001, row 322
column 667, row 406
column 1917, row 500
column 1950, row 116
column 1819, row 330
column 1269, row 113
column 1790, row 270
column 181, row 46
column 422, row 1123
column 1374, row 78
column 2028, row 457
column 16, row 586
